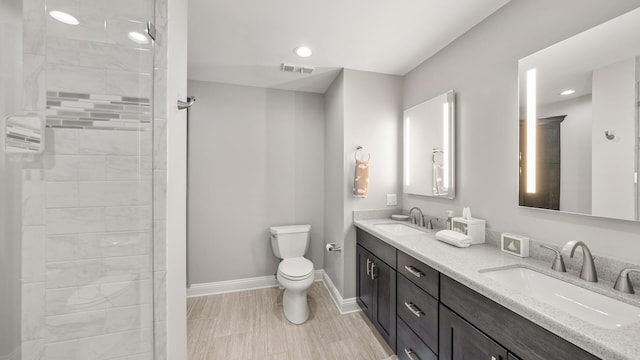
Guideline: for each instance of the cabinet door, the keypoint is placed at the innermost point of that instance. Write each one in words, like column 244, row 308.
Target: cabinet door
column 459, row 340
column 384, row 303
column 364, row 282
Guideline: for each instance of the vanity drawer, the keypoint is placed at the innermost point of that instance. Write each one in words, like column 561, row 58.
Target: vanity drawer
column 533, row 342
column 418, row 310
column 422, row 275
column 377, row 247
column 410, row 347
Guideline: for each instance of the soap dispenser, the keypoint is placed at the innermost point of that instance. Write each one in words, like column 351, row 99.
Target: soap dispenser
column 449, row 219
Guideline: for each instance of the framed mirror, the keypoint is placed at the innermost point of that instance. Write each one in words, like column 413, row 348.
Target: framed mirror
column 578, row 121
column 429, row 147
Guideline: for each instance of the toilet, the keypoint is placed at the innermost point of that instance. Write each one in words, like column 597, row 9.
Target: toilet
column 295, row 273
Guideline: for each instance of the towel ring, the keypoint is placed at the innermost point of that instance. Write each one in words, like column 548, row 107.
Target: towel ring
column 358, row 150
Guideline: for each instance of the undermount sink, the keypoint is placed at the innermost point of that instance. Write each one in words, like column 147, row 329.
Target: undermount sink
column 398, row 229
column 587, row 305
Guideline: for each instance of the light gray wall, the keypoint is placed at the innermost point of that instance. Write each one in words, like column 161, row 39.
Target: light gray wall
column 575, row 152
column 256, row 159
column 362, row 108
column 482, row 66
column 373, row 119
column 333, row 180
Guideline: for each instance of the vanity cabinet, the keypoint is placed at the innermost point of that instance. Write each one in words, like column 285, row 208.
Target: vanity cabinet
column 376, row 284
column 410, row 346
column 417, row 308
column 512, row 331
column 461, row 340
column 431, row 316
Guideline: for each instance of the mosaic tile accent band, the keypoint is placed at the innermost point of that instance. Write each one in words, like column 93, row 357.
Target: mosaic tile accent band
column 97, row 112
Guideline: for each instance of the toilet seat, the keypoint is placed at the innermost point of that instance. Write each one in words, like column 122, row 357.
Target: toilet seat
column 298, row 268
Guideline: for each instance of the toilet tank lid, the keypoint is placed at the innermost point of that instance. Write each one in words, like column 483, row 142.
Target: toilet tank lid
column 290, row 229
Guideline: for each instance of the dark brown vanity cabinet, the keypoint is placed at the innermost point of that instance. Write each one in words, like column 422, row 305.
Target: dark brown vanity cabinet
column 376, row 284
column 460, row 340
column 511, row 331
column 417, row 309
column 410, row 346
column 431, row 316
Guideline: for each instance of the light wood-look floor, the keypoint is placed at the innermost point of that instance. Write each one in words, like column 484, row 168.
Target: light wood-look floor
column 251, row 325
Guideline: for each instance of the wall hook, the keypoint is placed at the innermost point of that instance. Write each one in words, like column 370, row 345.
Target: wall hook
column 609, row 136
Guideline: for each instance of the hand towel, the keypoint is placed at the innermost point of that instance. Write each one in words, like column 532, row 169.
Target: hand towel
column 361, row 179
column 454, row 238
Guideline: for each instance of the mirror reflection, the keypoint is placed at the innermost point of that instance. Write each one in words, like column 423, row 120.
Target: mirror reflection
column 429, row 147
column 579, row 122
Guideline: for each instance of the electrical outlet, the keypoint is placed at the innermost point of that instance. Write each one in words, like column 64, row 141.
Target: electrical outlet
column 392, row 200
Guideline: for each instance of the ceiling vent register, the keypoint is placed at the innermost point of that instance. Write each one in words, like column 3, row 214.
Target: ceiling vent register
column 296, row 69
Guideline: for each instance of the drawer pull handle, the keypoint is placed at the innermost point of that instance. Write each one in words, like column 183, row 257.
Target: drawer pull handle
column 373, row 274
column 414, row 309
column 494, row 358
column 410, row 354
column 413, row 271
column 368, row 267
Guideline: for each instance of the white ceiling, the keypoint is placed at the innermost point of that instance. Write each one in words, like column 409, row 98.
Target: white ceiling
column 245, row 41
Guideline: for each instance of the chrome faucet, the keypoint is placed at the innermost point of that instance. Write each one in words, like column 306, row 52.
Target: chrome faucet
column 558, row 262
column 588, row 270
column 418, row 221
column 623, row 283
column 429, row 224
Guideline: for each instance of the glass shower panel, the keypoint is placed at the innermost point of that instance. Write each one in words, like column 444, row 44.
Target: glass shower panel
column 10, row 182
column 76, row 217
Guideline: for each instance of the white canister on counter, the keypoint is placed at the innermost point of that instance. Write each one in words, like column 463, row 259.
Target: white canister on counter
column 474, row 228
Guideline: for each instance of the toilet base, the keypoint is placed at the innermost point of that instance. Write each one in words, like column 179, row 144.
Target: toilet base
column 294, row 299
column 295, row 306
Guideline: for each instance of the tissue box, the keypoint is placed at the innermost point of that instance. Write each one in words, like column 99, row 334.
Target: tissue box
column 470, row 227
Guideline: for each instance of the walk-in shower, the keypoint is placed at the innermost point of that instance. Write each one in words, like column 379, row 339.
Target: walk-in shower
column 77, row 179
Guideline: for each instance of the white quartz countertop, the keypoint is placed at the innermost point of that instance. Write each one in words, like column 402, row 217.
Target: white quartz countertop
column 463, row 265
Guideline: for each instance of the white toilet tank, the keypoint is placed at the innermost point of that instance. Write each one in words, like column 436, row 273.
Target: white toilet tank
column 290, row 241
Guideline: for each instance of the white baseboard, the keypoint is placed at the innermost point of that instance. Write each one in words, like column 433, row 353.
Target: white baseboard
column 345, row 306
column 222, row 287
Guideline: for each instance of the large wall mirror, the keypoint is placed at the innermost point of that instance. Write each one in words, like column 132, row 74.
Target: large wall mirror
column 429, row 144
column 578, row 120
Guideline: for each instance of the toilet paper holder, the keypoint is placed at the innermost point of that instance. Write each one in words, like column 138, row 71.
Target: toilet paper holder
column 331, row 247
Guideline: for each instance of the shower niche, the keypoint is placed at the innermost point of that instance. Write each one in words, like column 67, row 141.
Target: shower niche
column 429, row 147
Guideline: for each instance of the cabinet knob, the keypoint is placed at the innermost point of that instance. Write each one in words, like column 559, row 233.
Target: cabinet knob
column 495, row 358
column 410, row 354
column 413, row 271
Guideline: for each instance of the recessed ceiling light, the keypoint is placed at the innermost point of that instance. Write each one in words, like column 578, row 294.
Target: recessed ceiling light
column 567, row 92
column 138, row 37
column 303, row 51
column 64, row 17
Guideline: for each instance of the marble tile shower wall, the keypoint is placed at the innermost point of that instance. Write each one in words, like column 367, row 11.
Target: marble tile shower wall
column 93, row 255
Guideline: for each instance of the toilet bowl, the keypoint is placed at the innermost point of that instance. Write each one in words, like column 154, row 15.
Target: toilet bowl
column 295, row 273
